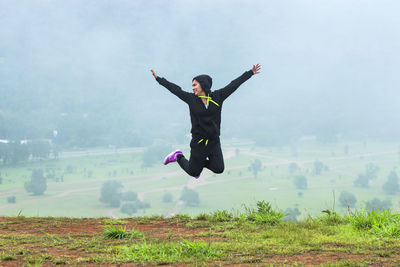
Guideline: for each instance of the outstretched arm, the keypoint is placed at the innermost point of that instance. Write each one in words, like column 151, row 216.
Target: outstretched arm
column 173, row 88
column 233, row 85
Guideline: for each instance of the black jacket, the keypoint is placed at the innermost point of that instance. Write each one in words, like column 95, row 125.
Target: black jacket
column 206, row 123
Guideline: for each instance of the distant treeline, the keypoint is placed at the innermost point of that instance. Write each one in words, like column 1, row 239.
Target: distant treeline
column 15, row 152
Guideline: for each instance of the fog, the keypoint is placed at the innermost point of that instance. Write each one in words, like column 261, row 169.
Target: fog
column 83, row 68
column 325, row 64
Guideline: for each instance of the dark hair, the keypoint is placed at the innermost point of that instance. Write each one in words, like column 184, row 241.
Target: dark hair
column 205, row 82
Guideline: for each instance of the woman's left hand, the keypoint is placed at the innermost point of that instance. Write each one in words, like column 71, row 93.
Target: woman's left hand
column 256, row 68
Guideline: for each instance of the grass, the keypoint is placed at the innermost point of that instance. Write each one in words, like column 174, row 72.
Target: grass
column 120, row 232
column 221, row 237
column 378, row 222
column 168, row 252
column 78, row 195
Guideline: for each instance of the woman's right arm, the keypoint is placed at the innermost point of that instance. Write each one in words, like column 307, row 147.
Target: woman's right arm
column 173, row 88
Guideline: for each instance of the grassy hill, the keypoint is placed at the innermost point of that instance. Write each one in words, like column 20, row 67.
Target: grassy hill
column 74, row 181
column 257, row 236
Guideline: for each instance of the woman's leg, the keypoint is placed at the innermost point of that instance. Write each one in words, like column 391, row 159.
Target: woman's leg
column 194, row 165
column 215, row 161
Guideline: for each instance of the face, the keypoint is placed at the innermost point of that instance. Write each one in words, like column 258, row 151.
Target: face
column 196, row 87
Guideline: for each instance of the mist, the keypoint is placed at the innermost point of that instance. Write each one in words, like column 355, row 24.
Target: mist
column 326, row 64
column 82, row 68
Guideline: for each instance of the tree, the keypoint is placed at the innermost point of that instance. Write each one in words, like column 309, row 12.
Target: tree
column 11, row 199
column 237, row 152
column 129, row 208
column 40, row 149
column 293, row 167
column 376, row 204
column 347, row 199
column 318, row 167
column 255, row 167
column 346, row 149
column 154, row 154
column 291, row 214
column 361, row 181
column 111, row 193
column 13, row 152
column 371, row 170
column 300, row 182
column 167, row 198
column 392, row 184
column 190, row 197
column 129, row 196
column 38, row 183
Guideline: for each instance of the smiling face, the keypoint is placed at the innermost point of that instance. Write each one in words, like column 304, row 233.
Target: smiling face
column 196, row 87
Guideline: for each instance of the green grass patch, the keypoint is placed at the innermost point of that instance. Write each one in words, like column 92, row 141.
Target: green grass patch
column 382, row 223
column 168, row 252
column 112, row 231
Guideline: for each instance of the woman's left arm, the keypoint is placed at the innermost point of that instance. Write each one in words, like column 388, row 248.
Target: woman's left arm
column 233, row 85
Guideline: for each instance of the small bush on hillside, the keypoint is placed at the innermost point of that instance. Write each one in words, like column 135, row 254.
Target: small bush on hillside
column 222, row 216
column 120, row 232
column 264, row 214
column 378, row 222
column 167, row 198
column 331, row 217
column 11, row 199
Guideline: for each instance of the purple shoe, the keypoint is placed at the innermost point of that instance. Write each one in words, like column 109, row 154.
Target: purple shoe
column 172, row 157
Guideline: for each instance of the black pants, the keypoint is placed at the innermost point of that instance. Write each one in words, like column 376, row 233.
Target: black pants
column 203, row 156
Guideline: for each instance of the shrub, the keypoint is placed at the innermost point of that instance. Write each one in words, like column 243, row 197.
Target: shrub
column 222, row 216
column 347, row 199
column 129, row 208
column 264, row 214
column 110, row 193
column 255, row 167
column 300, row 182
column 318, row 167
column 291, row 214
column 330, row 217
column 377, row 204
column 120, row 232
column 129, row 196
column 190, row 197
column 38, row 184
column 378, row 222
column 167, row 198
column 11, row 199
column 392, row 184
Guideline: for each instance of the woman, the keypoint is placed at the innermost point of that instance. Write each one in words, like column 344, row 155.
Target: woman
column 205, row 114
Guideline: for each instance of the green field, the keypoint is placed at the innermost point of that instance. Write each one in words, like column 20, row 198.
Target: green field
column 77, row 194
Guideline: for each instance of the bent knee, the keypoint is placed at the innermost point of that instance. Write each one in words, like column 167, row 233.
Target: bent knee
column 195, row 173
column 219, row 170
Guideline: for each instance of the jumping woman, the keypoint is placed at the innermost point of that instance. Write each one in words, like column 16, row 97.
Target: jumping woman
column 205, row 114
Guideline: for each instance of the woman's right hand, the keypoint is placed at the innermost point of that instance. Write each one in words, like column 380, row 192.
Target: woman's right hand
column 154, row 74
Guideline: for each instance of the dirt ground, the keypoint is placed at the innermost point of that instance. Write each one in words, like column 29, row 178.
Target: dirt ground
column 80, row 230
